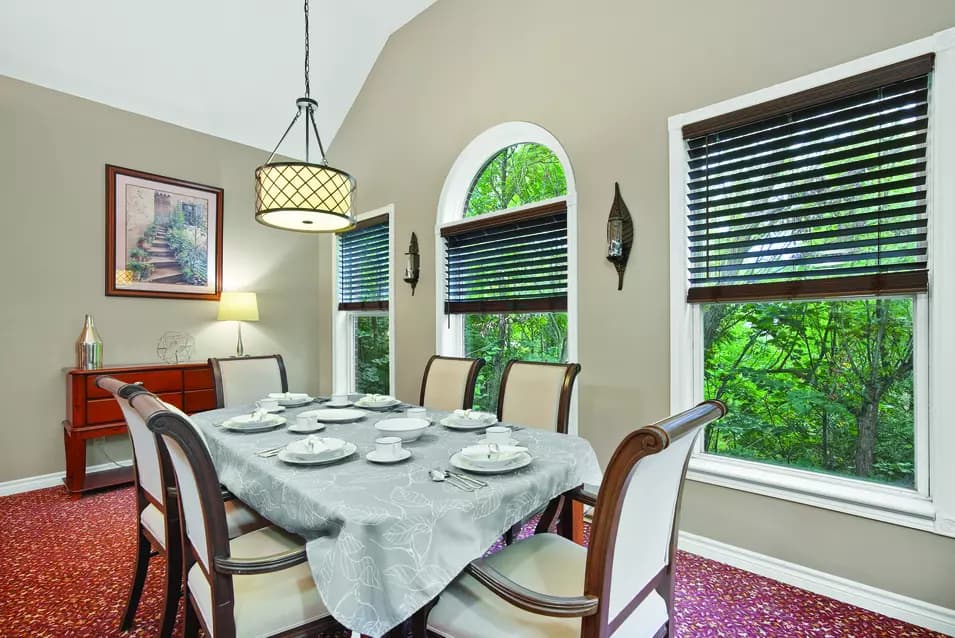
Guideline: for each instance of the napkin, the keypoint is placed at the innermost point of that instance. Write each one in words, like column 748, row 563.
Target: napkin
column 288, row 396
column 483, row 454
column 314, row 446
column 474, row 415
column 376, row 398
column 259, row 415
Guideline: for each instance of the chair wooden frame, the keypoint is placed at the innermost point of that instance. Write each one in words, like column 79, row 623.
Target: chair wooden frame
column 566, row 390
column 217, row 373
column 147, row 545
column 593, row 607
column 224, row 566
column 476, row 365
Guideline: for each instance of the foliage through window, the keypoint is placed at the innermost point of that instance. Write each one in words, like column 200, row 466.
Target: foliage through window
column 522, row 265
column 517, row 175
column 817, row 385
column 371, row 356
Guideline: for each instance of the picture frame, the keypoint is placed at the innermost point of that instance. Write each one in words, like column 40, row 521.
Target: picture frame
column 163, row 236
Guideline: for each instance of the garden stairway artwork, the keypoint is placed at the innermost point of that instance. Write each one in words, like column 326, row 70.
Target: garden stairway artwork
column 166, row 269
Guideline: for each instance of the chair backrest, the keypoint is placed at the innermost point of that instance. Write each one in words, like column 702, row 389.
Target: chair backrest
column 448, row 382
column 203, row 513
column 536, row 394
column 243, row 380
column 146, row 458
column 634, row 531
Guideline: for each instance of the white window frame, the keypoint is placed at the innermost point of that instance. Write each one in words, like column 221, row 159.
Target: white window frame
column 931, row 505
column 343, row 341
column 450, row 331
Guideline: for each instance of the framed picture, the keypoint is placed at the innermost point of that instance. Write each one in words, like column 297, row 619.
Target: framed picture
column 163, row 236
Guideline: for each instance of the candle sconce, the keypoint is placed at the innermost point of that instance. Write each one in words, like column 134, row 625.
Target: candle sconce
column 413, row 264
column 619, row 235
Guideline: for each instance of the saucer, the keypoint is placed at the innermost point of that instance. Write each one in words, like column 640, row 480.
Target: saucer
column 276, row 409
column 374, row 457
column 336, row 404
column 308, row 429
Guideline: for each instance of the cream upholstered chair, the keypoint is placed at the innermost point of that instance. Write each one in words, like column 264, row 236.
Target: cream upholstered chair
column 448, row 382
column 243, row 380
column 621, row 586
column 158, row 514
column 257, row 584
column 536, row 394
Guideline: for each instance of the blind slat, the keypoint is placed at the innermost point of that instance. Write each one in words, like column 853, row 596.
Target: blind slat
column 363, row 266
column 833, row 191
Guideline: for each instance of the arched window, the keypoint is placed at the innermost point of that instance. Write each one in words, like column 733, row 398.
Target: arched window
column 505, row 258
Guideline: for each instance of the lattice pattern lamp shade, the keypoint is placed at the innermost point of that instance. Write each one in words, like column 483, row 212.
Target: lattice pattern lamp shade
column 304, row 197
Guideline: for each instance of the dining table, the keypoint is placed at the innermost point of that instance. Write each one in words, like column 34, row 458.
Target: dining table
column 384, row 540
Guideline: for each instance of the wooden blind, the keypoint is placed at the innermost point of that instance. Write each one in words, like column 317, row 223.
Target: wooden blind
column 363, row 263
column 826, row 199
column 514, row 262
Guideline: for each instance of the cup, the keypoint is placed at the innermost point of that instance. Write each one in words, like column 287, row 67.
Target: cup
column 267, row 404
column 499, row 434
column 417, row 413
column 305, row 421
column 388, row 447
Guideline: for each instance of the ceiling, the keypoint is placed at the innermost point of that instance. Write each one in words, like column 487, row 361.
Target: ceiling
column 230, row 68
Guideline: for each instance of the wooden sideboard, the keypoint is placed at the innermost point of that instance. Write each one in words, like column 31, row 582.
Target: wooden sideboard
column 92, row 413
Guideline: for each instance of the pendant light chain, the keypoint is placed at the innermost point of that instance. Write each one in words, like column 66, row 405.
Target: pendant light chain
column 308, row 86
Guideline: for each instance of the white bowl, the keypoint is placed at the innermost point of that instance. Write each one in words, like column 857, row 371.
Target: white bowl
column 406, row 429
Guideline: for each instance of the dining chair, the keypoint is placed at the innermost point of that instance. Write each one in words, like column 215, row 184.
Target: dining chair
column 243, row 380
column 537, row 394
column 257, row 584
column 448, row 382
column 546, row 586
column 158, row 519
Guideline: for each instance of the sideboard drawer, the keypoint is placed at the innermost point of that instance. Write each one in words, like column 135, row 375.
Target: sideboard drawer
column 156, row 381
column 199, row 401
column 100, row 411
column 200, row 379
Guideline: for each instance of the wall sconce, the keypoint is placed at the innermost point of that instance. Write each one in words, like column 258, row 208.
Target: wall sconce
column 413, row 265
column 619, row 235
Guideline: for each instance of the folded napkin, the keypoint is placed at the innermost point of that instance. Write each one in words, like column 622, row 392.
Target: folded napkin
column 288, row 396
column 498, row 455
column 376, row 398
column 475, row 415
column 260, row 415
column 314, row 446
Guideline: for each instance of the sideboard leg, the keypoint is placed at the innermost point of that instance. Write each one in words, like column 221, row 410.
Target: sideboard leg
column 75, row 464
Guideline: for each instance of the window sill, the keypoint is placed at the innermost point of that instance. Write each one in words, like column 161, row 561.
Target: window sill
column 858, row 498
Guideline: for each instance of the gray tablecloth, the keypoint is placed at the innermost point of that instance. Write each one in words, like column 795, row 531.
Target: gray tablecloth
column 383, row 540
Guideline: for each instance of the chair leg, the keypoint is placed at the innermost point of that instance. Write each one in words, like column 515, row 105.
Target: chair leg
column 143, row 550
column 190, row 625
column 173, row 590
column 510, row 536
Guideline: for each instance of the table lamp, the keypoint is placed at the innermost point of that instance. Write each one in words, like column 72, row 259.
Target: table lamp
column 238, row 307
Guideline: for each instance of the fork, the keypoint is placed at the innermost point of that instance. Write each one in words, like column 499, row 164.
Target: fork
column 272, row 451
column 469, row 479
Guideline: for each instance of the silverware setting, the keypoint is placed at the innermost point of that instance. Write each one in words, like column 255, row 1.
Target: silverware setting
column 272, row 451
column 440, row 476
column 469, row 479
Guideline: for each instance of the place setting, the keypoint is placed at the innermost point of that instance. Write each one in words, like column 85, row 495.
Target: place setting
column 312, row 450
column 378, row 402
column 290, row 399
column 259, row 420
column 497, row 453
column 469, row 420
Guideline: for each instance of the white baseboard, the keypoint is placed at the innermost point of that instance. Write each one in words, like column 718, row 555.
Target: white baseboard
column 31, row 483
column 884, row 602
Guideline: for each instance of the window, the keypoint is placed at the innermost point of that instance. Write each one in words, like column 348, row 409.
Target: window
column 803, row 221
column 506, row 264
column 363, row 340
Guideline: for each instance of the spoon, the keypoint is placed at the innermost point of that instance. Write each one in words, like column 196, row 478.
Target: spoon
column 440, row 476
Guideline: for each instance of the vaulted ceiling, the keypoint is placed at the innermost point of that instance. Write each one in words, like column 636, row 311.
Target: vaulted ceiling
column 230, row 68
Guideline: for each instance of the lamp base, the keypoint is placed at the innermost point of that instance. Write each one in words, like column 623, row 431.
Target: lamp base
column 239, row 348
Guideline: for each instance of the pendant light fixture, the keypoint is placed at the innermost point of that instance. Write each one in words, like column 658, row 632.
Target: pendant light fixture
column 301, row 196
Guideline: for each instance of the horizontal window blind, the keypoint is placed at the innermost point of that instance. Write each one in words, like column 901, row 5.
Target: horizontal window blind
column 828, row 199
column 363, row 263
column 514, row 262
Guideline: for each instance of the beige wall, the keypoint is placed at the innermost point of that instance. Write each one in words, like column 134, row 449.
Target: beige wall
column 53, row 148
column 603, row 77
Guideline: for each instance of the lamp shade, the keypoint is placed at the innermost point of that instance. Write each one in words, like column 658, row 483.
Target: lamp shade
column 238, row 306
column 311, row 198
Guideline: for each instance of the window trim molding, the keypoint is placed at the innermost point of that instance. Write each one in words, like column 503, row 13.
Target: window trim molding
column 449, row 330
column 931, row 506
column 343, row 372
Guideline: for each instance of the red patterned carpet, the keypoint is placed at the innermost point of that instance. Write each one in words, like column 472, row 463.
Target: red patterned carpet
column 64, row 567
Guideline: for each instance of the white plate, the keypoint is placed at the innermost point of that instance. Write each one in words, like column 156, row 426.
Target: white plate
column 365, row 403
column 338, row 404
column 455, row 424
column 347, row 450
column 374, row 457
column 271, row 421
column 308, row 429
column 338, row 415
column 276, row 409
column 294, row 403
column 459, row 461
